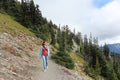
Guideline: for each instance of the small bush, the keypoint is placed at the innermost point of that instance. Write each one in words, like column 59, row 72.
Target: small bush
column 2, row 11
column 63, row 59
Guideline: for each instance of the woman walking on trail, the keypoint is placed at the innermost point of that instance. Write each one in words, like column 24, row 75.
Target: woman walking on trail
column 44, row 53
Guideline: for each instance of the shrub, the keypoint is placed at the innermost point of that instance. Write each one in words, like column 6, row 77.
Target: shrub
column 63, row 59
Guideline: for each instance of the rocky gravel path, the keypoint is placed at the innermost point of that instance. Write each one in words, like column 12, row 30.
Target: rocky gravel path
column 55, row 72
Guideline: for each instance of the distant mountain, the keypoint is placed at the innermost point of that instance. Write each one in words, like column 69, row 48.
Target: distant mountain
column 114, row 47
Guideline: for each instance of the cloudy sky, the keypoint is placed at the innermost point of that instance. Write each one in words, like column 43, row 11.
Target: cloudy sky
column 100, row 17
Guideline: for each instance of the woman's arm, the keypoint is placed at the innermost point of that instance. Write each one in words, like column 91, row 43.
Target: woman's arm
column 40, row 54
column 48, row 50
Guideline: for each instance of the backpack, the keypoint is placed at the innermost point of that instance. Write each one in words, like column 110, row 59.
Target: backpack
column 44, row 51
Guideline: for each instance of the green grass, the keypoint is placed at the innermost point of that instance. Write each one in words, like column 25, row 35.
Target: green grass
column 9, row 25
column 77, row 58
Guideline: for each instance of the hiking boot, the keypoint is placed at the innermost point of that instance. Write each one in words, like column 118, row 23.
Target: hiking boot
column 47, row 67
column 44, row 70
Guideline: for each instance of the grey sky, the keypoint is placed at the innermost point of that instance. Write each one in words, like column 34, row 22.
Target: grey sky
column 82, row 15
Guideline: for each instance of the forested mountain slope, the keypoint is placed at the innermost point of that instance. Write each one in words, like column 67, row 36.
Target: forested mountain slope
column 19, row 55
column 22, row 32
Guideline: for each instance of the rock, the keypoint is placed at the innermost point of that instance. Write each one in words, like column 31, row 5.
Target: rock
column 67, row 72
column 15, row 63
column 2, row 79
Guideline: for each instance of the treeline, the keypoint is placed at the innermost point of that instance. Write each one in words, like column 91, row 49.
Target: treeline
column 100, row 63
column 29, row 15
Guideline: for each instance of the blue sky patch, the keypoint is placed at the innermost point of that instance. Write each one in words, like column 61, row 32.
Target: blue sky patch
column 100, row 3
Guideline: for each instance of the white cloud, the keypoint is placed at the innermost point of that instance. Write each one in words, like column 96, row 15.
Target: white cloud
column 84, row 17
column 105, row 22
column 117, row 0
column 112, row 40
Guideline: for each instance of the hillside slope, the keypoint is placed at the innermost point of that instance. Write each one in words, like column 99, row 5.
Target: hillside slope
column 17, row 46
column 19, row 55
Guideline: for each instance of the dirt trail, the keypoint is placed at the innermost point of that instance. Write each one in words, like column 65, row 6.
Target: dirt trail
column 55, row 72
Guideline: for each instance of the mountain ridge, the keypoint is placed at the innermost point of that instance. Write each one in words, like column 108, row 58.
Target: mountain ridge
column 114, row 47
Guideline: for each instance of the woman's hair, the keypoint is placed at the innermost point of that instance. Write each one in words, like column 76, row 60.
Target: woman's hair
column 43, row 43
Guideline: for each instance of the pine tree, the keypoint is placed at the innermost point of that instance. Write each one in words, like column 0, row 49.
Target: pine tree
column 53, row 32
column 63, row 39
column 86, row 49
column 14, row 8
column 25, row 10
column 38, row 17
column 1, row 4
column 70, row 40
column 106, row 51
column 32, row 12
column 97, row 67
column 5, row 4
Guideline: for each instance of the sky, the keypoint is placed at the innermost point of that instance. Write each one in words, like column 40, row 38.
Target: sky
column 99, row 17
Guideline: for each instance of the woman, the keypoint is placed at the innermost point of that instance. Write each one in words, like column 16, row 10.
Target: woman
column 44, row 53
